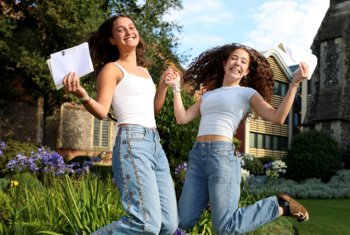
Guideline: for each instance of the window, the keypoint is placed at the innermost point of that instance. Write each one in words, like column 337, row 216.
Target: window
column 280, row 88
column 101, row 133
column 269, row 142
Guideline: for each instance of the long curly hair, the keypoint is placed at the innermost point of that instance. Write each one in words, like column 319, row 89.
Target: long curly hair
column 208, row 70
column 102, row 51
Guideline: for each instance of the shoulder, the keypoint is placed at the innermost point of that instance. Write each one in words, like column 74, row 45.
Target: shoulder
column 111, row 70
column 145, row 70
column 248, row 91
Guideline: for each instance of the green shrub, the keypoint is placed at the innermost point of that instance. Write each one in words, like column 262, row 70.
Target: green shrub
column 252, row 164
column 313, row 154
column 177, row 140
column 5, row 206
column 346, row 159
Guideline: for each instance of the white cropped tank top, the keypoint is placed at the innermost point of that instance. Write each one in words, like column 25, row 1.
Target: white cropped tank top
column 133, row 100
column 223, row 109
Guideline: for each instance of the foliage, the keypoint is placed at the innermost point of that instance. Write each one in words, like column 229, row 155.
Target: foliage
column 346, row 159
column 32, row 30
column 46, row 161
column 275, row 169
column 65, row 206
column 5, row 206
column 252, row 164
column 337, row 187
column 177, row 140
column 10, row 149
column 313, row 154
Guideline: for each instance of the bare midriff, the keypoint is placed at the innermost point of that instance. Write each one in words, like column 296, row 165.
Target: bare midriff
column 212, row 138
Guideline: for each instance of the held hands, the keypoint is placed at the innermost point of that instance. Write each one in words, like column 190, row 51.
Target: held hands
column 71, row 83
column 173, row 79
column 301, row 74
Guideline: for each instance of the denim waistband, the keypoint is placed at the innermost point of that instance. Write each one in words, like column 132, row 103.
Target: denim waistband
column 213, row 143
column 134, row 127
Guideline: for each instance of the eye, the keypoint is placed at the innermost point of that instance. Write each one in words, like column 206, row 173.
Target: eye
column 234, row 57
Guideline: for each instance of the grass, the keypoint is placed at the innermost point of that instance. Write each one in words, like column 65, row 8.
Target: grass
column 327, row 217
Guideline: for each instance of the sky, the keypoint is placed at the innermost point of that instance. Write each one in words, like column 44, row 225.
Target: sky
column 261, row 24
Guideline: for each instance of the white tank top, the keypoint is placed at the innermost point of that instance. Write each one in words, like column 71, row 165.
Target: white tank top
column 222, row 110
column 133, row 100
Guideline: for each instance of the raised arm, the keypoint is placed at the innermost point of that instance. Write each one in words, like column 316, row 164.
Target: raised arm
column 182, row 115
column 278, row 116
column 159, row 98
column 106, row 83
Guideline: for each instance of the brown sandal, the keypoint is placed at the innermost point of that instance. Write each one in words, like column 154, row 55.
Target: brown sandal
column 293, row 208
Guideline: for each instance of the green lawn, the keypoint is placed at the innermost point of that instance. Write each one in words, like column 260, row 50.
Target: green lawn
column 327, row 217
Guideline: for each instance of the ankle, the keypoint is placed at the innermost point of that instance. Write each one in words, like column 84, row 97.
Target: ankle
column 284, row 205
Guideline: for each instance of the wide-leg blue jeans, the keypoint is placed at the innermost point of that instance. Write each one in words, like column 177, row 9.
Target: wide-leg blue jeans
column 214, row 176
column 145, row 184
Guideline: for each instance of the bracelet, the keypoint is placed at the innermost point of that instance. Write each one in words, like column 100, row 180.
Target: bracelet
column 85, row 99
column 176, row 88
column 294, row 84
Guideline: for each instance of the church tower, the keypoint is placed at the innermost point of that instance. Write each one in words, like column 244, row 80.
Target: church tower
column 328, row 106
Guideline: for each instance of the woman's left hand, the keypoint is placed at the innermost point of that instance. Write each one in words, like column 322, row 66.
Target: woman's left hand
column 301, row 74
column 171, row 77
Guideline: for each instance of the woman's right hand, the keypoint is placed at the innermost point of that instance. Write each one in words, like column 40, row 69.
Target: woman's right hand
column 71, row 83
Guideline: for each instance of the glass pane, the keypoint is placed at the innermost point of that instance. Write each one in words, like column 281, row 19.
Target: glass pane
column 268, row 142
column 260, row 141
column 252, row 140
column 105, row 133
column 96, row 140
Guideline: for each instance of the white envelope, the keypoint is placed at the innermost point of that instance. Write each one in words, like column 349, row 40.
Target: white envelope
column 75, row 59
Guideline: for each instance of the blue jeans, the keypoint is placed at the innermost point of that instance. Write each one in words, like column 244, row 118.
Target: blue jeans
column 214, row 176
column 145, row 184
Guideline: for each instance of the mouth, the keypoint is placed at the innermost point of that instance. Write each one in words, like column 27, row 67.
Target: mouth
column 235, row 70
column 130, row 38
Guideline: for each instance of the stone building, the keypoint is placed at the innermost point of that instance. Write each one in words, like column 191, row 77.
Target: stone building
column 329, row 89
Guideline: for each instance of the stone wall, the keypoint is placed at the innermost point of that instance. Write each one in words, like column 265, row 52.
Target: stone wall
column 22, row 121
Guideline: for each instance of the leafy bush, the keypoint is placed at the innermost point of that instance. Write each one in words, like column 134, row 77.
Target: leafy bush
column 337, row 187
column 346, row 159
column 313, row 154
column 252, row 164
column 5, row 206
column 177, row 140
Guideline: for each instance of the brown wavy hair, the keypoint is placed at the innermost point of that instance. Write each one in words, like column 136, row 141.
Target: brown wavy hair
column 102, row 51
column 208, row 70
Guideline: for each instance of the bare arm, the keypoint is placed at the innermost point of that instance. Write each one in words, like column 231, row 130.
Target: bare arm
column 107, row 80
column 182, row 115
column 159, row 98
column 278, row 116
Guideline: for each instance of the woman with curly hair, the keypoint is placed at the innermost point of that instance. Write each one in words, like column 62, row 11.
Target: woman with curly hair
column 139, row 163
column 237, row 79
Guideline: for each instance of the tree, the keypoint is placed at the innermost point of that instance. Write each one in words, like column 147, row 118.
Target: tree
column 33, row 29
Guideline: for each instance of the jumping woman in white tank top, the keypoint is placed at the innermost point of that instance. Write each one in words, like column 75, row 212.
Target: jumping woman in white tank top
column 139, row 163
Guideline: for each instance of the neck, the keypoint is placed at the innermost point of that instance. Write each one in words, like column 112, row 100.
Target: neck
column 128, row 57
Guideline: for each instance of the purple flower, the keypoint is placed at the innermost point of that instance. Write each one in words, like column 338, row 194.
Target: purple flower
column 179, row 232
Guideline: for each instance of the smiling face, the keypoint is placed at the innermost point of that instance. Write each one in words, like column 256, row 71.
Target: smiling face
column 124, row 33
column 236, row 66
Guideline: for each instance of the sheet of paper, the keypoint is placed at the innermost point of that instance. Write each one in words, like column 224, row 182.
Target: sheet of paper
column 75, row 59
column 296, row 57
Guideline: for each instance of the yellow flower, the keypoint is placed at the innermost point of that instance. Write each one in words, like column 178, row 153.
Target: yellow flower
column 14, row 183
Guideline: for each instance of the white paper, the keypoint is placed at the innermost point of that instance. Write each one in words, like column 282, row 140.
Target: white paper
column 75, row 59
column 296, row 57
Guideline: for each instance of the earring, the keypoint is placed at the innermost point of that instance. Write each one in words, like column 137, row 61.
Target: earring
column 244, row 77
